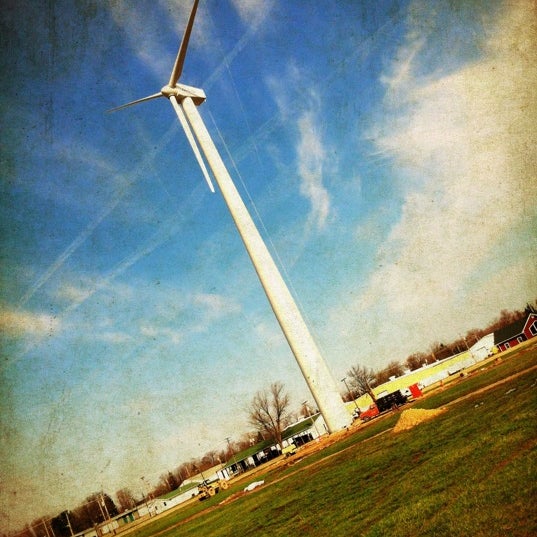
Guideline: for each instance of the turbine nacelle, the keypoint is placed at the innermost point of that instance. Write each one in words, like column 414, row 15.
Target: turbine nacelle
column 180, row 91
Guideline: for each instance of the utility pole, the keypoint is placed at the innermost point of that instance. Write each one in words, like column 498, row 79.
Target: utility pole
column 344, row 380
column 105, row 507
column 69, row 523
column 144, row 497
column 232, row 452
column 46, row 528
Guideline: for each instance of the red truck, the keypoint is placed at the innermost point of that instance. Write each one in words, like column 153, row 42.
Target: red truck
column 386, row 402
column 371, row 412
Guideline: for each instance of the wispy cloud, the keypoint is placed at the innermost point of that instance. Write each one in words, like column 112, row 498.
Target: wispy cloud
column 17, row 323
column 310, row 143
column 106, row 210
column 269, row 335
column 137, row 26
column 207, row 308
column 311, row 155
column 79, row 292
column 156, row 56
column 253, row 11
column 114, row 337
column 216, row 305
column 401, row 75
column 181, row 313
column 155, row 332
column 461, row 147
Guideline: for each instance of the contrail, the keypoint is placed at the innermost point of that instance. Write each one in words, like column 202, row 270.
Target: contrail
column 80, row 239
column 230, row 56
column 68, row 252
column 240, row 153
column 167, row 230
column 107, row 209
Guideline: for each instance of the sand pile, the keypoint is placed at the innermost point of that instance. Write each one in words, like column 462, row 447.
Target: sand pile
column 414, row 416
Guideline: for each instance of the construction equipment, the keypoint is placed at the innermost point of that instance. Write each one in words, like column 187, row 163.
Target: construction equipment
column 207, row 489
column 289, row 450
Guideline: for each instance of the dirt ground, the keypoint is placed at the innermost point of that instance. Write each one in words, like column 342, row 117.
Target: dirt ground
column 414, row 416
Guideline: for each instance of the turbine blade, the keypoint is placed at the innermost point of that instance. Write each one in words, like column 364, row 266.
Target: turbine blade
column 181, row 54
column 132, row 103
column 191, row 139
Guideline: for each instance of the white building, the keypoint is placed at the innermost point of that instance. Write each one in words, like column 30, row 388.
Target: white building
column 483, row 348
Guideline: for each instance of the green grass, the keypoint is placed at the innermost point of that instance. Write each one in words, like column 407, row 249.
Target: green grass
column 469, row 472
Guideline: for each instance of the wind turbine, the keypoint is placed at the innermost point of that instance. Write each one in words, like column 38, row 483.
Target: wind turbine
column 184, row 100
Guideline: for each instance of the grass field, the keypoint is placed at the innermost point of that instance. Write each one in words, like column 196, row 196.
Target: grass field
column 470, row 471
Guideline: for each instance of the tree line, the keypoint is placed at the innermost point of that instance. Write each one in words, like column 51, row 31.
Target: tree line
column 362, row 379
column 95, row 509
column 269, row 413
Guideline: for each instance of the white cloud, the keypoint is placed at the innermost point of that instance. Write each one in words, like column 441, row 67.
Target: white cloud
column 114, row 337
column 310, row 145
column 20, row 323
column 216, row 306
column 311, row 157
column 252, row 11
column 463, row 150
column 153, row 331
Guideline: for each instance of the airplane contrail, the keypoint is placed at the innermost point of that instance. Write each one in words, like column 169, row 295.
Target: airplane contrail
column 240, row 153
column 90, row 228
column 168, row 229
column 232, row 54
column 82, row 237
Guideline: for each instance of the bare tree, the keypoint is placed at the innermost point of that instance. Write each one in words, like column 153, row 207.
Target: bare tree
column 416, row 360
column 212, row 457
column 305, row 411
column 269, row 411
column 362, row 379
column 438, row 351
column 393, row 369
column 172, row 481
column 474, row 335
column 125, row 499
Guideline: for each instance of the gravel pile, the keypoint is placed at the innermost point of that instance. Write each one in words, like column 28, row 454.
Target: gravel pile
column 414, row 416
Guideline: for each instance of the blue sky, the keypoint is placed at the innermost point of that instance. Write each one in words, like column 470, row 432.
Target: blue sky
column 386, row 151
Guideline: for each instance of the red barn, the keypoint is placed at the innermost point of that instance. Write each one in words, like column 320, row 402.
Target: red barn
column 516, row 333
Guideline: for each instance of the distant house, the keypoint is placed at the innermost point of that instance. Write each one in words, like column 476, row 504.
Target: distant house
column 253, row 456
column 176, row 497
column 187, row 490
column 483, row 348
column 515, row 333
column 305, row 430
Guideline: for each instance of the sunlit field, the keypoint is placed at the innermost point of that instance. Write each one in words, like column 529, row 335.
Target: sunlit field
column 470, row 471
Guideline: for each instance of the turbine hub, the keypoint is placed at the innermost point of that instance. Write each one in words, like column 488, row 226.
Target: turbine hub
column 181, row 91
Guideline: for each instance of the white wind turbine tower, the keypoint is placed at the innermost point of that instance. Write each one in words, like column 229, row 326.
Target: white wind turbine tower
column 184, row 100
